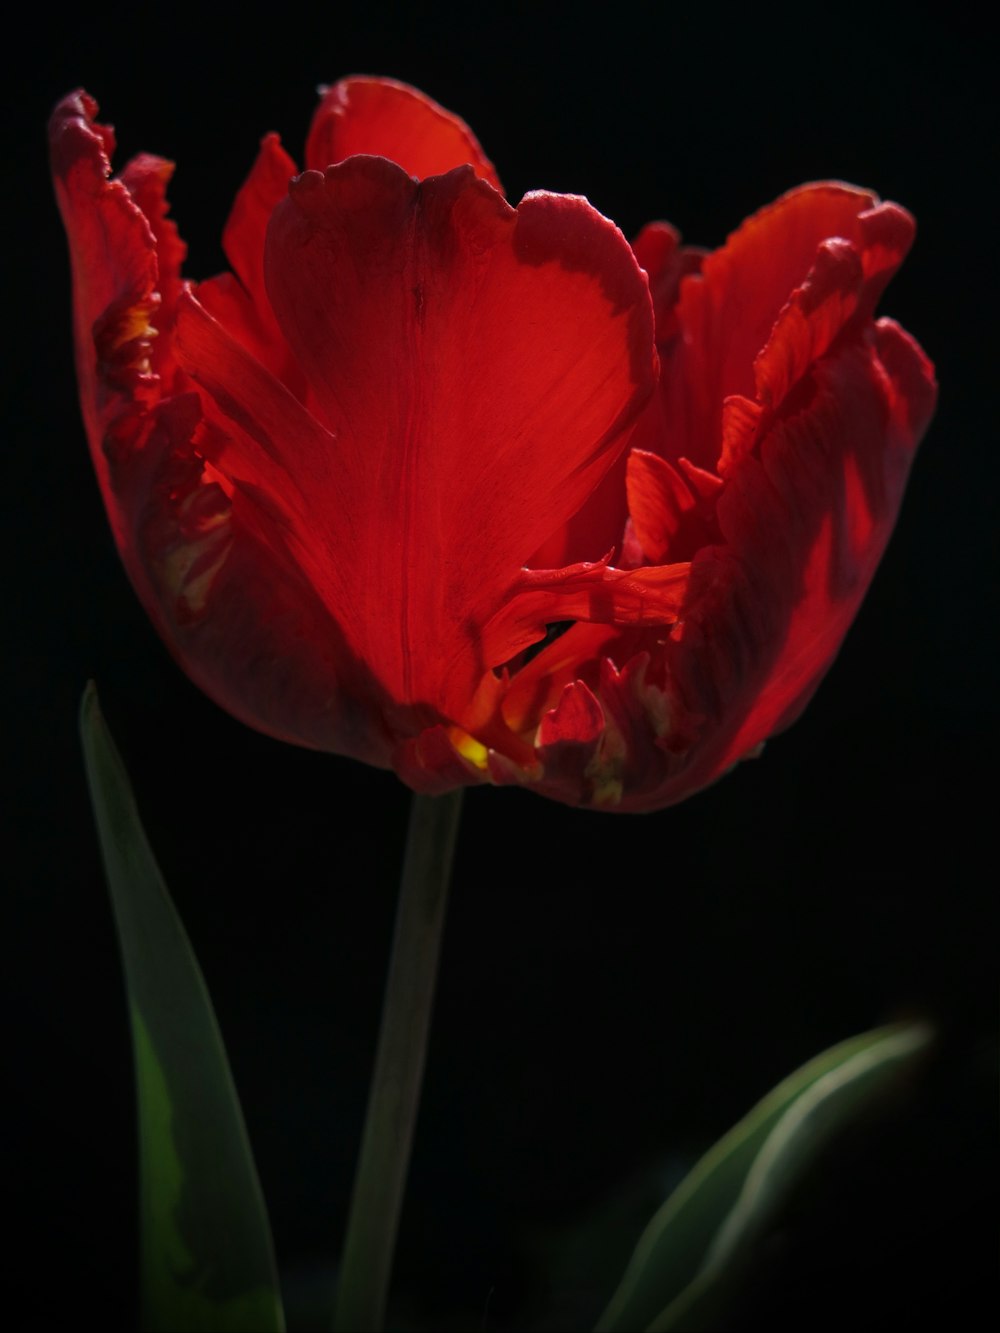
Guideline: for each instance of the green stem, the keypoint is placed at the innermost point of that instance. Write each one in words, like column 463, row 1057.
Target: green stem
column 377, row 1198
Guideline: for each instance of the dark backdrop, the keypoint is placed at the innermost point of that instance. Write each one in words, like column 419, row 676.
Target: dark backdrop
column 615, row 991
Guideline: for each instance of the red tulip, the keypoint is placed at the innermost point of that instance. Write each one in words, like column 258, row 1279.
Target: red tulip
column 483, row 493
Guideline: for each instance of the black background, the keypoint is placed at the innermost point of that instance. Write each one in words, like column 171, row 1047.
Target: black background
column 615, row 992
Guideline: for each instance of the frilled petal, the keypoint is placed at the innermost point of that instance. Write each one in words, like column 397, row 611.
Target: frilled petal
column 115, row 275
column 470, row 416
column 146, row 178
column 234, row 610
column 804, row 526
column 777, row 294
column 388, row 119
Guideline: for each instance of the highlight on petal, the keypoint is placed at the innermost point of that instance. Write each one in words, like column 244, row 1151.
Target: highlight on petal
column 384, row 118
column 472, row 417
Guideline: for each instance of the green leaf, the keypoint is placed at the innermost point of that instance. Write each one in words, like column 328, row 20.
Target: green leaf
column 699, row 1243
column 207, row 1261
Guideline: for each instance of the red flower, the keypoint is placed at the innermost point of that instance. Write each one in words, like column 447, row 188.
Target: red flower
column 423, row 481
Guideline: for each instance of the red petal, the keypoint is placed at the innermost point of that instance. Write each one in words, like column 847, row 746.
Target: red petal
column 913, row 388
column 240, row 304
column 235, row 610
column 569, row 740
column 805, row 528
column 226, row 300
column 730, row 311
column 659, row 500
column 666, row 261
column 600, row 525
column 246, row 226
column 804, row 330
column 597, row 527
column 576, row 720
column 479, row 366
column 222, row 588
column 115, row 298
column 146, row 178
column 389, row 119
column 273, row 429
column 431, row 763
column 705, row 485
column 592, row 593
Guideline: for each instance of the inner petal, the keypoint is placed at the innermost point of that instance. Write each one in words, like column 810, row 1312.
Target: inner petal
column 479, row 368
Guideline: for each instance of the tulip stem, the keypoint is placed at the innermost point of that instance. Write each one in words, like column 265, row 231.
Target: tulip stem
column 394, row 1096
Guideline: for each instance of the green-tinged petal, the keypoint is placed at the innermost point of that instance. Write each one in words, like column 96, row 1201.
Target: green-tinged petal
column 207, row 1261
column 699, row 1242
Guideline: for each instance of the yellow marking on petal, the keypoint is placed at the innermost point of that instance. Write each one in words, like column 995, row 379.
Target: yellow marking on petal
column 607, row 790
column 605, row 771
column 196, row 590
column 468, row 747
column 133, row 323
column 189, row 567
column 608, row 764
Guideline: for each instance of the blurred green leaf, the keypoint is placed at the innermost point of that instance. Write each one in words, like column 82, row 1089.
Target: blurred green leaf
column 699, row 1243
column 206, row 1257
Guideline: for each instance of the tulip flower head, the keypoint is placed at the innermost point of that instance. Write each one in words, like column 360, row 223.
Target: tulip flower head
column 484, row 493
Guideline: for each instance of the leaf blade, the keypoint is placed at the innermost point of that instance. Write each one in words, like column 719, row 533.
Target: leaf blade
column 700, row 1236
column 206, row 1256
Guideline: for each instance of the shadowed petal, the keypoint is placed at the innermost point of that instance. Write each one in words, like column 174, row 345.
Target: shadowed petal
column 805, row 526
column 569, row 738
column 234, row 608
